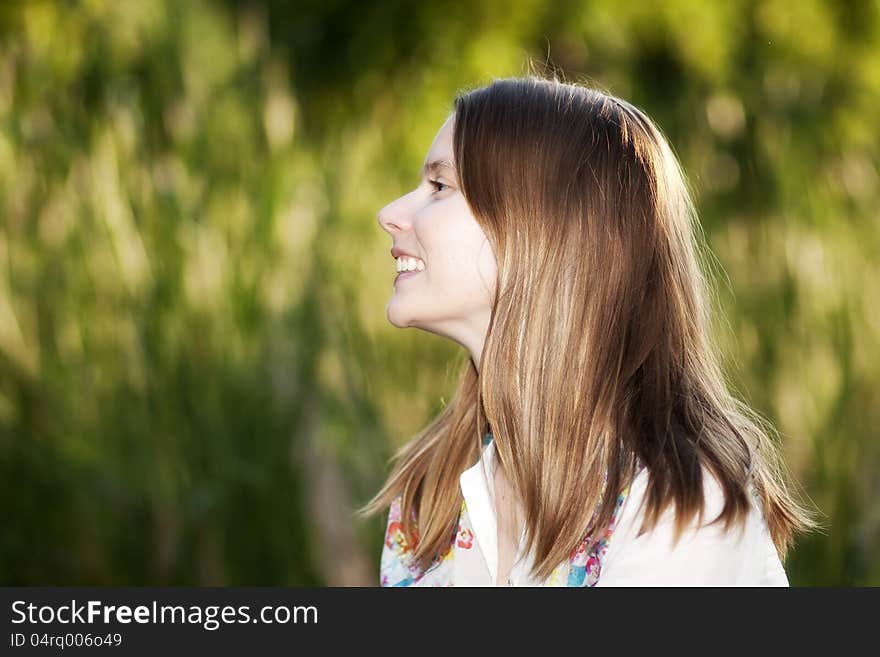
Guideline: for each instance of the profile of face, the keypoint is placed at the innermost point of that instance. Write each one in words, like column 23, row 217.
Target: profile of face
column 450, row 290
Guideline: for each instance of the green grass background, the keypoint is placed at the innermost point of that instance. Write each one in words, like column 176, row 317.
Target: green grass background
column 198, row 383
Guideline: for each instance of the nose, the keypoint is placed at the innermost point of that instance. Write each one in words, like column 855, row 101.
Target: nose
column 393, row 218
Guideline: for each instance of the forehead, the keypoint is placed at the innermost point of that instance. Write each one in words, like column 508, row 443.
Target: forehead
column 443, row 140
column 439, row 158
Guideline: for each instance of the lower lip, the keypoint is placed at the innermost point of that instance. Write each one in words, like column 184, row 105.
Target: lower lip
column 405, row 274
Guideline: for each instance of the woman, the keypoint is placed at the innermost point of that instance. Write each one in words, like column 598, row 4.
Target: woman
column 591, row 439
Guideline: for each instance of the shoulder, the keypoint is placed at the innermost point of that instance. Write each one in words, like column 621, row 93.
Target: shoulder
column 706, row 554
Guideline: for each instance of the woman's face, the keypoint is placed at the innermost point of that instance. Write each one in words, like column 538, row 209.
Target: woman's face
column 452, row 295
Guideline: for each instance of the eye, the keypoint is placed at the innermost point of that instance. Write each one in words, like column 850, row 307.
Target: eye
column 437, row 183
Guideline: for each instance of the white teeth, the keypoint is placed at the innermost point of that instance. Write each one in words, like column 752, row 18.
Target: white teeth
column 406, row 263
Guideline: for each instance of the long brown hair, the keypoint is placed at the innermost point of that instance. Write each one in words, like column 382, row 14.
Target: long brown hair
column 598, row 350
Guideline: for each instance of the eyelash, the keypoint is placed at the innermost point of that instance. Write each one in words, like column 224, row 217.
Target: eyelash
column 438, row 183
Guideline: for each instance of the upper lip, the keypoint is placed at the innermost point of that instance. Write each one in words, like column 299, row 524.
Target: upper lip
column 396, row 252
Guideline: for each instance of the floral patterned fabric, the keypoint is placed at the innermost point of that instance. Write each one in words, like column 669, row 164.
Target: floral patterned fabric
column 465, row 562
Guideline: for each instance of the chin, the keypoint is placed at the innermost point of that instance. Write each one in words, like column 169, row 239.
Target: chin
column 396, row 318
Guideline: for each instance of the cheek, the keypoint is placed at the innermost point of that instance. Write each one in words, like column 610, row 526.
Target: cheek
column 453, row 258
column 467, row 267
column 487, row 267
column 455, row 248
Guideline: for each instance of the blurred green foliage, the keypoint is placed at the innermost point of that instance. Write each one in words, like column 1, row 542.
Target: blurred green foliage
column 198, row 383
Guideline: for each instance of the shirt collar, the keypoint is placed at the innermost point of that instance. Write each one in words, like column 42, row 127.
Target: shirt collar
column 478, row 491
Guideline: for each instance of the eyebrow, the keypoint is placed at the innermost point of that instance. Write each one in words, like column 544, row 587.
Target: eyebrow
column 434, row 166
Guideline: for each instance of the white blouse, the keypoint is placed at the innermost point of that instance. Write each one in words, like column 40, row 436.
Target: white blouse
column 704, row 556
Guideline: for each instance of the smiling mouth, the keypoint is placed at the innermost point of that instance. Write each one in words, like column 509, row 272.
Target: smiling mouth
column 408, row 266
